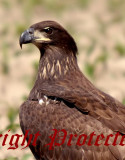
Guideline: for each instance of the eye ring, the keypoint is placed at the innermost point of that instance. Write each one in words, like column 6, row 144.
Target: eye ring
column 48, row 30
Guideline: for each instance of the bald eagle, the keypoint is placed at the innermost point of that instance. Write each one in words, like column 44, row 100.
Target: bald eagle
column 63, row 98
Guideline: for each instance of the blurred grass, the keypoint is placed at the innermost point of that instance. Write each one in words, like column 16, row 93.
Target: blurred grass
column 10, row 158
column 20, row 28
column 115, row 5
column 5, row 60
column 6, row 4
column 12, row 115
column 25, row 157
column 90, row 68
column 30, row 80
column 120, row 48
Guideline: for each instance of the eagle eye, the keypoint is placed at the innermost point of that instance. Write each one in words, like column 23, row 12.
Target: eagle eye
column 48, row 30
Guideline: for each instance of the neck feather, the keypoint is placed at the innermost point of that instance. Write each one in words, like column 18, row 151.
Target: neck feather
column 55, row 64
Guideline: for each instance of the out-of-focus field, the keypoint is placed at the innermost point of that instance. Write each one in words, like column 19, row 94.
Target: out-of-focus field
column 98, row 27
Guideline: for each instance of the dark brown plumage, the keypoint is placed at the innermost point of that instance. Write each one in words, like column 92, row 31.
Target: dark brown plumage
column 72, row 102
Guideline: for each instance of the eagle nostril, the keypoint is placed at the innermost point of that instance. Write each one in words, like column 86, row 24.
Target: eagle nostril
column 31, row 30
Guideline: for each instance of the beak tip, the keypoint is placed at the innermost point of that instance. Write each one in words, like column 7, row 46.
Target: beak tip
column 20, row 42
column 26, row 37
column 21, row 46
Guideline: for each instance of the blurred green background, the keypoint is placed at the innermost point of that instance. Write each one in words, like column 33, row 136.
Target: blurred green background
column 98, row 27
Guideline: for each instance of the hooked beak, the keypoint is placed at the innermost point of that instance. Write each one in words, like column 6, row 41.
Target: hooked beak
column 27, row 37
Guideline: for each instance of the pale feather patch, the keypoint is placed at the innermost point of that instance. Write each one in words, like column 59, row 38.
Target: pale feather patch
column 48, row 66
column 44, row 72
column 66, row 69
column 67, row 60
column 52, row 70
column 44, row 100
column 55, row 76
column 58, row 65
column 47, row 102
column 45, row 97
column 40, row 76
column 83, row 151
column 41, row 101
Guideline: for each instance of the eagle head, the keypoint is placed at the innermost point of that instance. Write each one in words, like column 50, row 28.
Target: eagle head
column 48, row 33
